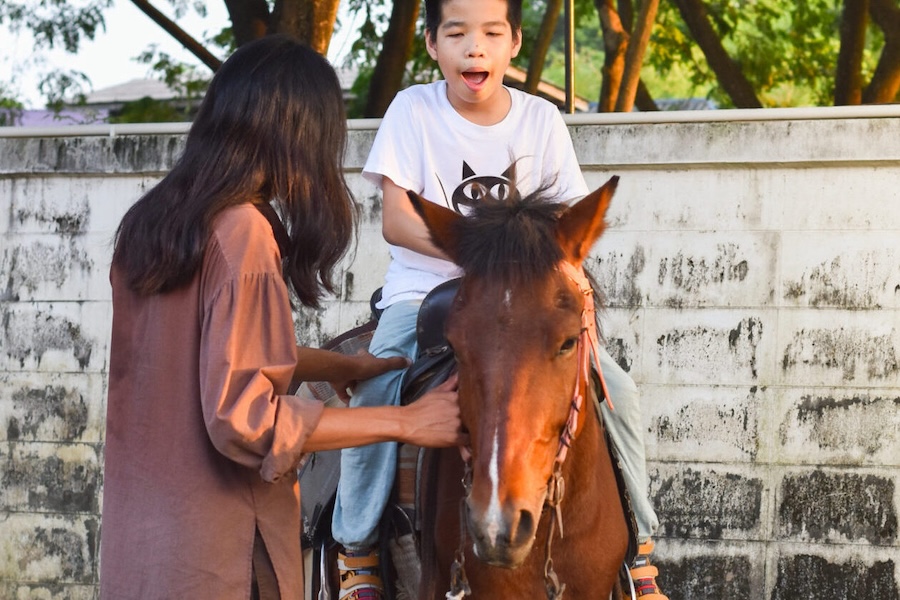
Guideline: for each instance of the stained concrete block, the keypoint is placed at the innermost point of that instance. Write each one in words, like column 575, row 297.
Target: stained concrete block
column 711, row 569
column 845, row 270
column 48, row 591
column 719, row 269
column 835, row 426
column 368, row 196
column 90, row 154
column 52, row 407
column 51, row 478
column 56, row 549
column 715, row 424
column 839, row 348
column 54, row 268
column 838, row 506
column 313, row 327
column 810, row 575
column 54, row 337
column 366, row 273
column 722, row 346
column 741, row 143
column 697, row 501
column 841, row 198
column 684, row 199
column 618, row 265
column 72, row 205
column 620, row 330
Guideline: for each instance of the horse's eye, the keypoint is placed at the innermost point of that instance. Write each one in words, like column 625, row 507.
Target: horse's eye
column 568, row 345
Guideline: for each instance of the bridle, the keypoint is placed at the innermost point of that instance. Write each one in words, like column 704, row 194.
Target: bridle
column 588, row 344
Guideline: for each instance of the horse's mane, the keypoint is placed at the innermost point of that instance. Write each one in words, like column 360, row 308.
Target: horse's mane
column 512, row 238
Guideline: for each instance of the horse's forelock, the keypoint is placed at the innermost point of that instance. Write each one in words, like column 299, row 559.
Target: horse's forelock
column 513, row 238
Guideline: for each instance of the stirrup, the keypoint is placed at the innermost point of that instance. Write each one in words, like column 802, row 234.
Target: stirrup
column 359, row 577
column 644, row 574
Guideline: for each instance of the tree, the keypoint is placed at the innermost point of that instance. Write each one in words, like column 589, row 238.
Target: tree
column 741, row 54
column 396, row 47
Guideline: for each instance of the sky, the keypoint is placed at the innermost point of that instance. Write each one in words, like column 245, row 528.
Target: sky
column 109, row 58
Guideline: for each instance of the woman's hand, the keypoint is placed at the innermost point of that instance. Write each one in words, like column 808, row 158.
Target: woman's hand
column 364, row 366
column 433, row 421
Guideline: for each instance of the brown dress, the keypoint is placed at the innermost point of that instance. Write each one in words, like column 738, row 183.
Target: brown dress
column 201, row 442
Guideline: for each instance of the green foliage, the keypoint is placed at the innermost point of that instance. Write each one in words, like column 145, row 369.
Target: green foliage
column 10, row 107
column 148, row 110
column 786, row 49
column 64, row 87
column 187, row 81
column 55, row 22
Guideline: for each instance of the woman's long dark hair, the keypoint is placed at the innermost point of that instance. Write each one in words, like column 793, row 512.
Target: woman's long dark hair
column 270, row 128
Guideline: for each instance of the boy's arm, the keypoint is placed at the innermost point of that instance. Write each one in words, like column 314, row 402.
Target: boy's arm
column 401, row 225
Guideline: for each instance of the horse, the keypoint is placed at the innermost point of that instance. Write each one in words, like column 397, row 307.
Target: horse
column 530, row 508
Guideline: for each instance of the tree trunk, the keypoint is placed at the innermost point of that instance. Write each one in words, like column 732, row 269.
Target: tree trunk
column 615, row 43
column 311, row 21
column 249, row 19
column 727, row 71
column 886, row 80
column 395, row 50
column 542, row 45
column 634, row 56
column 848, row 77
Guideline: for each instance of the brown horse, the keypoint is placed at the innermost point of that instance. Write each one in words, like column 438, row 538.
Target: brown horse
column 538, row 509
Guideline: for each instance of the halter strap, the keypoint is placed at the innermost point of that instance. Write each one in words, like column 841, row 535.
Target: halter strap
column 589, row 324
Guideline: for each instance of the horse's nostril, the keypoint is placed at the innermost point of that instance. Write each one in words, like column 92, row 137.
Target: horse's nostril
column 525, row 529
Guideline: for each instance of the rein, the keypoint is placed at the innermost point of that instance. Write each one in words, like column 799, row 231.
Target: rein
column 588, row 344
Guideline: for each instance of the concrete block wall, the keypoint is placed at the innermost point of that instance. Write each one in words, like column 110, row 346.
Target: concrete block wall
column 752, row 275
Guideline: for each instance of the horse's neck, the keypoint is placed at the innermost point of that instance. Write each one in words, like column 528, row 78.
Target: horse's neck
column 584, row 467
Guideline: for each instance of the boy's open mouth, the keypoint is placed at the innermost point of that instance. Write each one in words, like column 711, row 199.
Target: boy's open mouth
column 475, row 77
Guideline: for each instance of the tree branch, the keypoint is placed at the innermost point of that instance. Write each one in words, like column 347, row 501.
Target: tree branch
column 391, row 64
column 727, row 71
column 541, row 46
column 183, row 37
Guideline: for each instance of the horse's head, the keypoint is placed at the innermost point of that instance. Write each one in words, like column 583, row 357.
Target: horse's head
column 515, row 326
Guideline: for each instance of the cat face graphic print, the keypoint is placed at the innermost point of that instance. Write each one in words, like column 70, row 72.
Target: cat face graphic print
column 474, row 188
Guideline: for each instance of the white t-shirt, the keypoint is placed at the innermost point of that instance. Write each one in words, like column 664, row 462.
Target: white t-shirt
column 424, row 145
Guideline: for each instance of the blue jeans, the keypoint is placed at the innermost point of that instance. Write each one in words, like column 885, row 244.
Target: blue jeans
column 367, row 473
column 625, row 429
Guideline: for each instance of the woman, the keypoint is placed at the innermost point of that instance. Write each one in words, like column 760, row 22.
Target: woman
column 200, row 489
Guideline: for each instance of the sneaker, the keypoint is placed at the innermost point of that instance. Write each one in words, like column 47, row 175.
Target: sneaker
column 644, row 574
column 360, row 578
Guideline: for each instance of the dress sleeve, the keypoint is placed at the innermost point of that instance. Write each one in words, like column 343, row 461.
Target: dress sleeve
column 247, row 358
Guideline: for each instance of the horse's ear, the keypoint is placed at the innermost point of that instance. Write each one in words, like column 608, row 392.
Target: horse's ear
column 440, row 221
column 582, row 223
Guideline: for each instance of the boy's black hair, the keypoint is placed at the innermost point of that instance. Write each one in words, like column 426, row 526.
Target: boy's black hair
column 434, row 16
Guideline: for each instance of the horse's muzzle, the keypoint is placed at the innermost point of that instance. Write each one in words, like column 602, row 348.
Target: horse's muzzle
column 502, row 538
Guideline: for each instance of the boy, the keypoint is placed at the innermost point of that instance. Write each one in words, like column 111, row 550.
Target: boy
column 454, row 141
